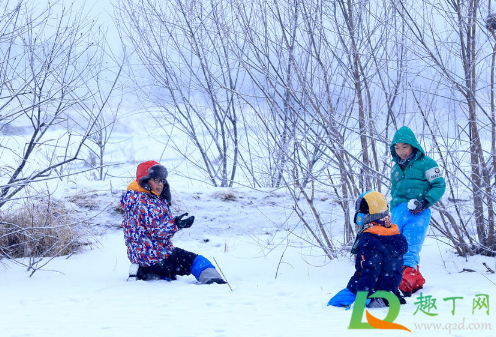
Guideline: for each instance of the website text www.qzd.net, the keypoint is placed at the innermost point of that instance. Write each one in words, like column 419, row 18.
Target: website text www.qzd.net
column 460, row 326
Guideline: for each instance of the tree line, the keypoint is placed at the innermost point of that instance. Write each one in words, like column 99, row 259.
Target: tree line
column 304, row 95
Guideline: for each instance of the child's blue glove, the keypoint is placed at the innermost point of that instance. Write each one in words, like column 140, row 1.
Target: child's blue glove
column 343, row 298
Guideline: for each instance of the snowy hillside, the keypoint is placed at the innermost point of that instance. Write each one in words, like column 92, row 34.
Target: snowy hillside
column 280, row 285
column 304, row 96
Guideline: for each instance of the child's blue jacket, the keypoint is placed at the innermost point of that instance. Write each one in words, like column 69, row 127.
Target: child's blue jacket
column 379, row 262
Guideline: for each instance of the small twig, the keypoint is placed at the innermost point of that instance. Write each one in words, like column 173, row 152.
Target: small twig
column 467, row 270
column 224, row 276
column 280, row 260
column 488, row 269
column 487, row 278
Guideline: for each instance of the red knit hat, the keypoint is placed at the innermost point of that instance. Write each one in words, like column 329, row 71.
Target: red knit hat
column 150, row 170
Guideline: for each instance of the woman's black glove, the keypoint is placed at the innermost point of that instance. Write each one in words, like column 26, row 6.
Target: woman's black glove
column 418, row 206
column 186, row 223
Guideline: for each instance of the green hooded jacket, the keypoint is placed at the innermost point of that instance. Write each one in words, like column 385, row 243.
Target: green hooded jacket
column 420, row 179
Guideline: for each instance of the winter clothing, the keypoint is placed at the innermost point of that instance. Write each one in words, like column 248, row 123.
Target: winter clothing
column 148, row 229
column 343, row 298
column 418, row 206
column 370, row 206
column 178, row 263
column 414, row 227
column 379, row 247
column 205, row 272
column 153, row 170
column 379, row 261
column 133, row 272
column 378, row 303
column 148, row 226
column 412, row 281
column 416, row 184
column 186, row 223
column 150, row 170
column 420, row 179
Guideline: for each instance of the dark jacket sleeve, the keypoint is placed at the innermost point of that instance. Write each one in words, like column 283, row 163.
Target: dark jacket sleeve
column 367, row 265
column 370, row 261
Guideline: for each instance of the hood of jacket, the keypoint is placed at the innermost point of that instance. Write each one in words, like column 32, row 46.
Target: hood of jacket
column 405, row 135
column 135, row 186
column 386, row 240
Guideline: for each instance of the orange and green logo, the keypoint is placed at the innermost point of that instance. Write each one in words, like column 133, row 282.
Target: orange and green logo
column 374, row 322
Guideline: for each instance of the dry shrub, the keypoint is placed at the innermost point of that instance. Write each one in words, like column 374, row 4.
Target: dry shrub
column 118, row 208
column 225, row 195
column 85, row 198
column 44, row 229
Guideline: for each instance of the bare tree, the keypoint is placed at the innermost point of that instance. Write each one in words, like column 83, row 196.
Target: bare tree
column 49, row 60
column 298, row 60
column 306, row 94
column 52, row 61
column 184, row 48
column 105, row 118
column 264, row 48
column 453, row 50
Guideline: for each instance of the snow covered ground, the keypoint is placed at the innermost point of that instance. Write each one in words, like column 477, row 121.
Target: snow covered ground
column 280, row 285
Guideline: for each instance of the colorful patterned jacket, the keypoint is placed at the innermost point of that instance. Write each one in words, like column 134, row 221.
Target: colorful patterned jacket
column 148, row 226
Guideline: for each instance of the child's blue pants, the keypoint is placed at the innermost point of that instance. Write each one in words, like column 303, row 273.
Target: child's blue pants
column 414, row 228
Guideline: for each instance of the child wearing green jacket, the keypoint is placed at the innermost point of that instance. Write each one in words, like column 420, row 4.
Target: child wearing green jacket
column 416, row 184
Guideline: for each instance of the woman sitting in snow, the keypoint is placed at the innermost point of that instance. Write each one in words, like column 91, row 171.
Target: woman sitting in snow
column 149, row 227
column 379, row 247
